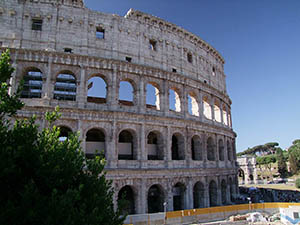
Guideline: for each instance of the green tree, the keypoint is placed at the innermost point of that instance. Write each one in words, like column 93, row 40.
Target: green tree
column 294, row 156
column 266, row 161
column 297, row 184
column 44, row 180
column 282, row 168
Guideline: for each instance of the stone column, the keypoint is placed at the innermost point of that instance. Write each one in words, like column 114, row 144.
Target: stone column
column 189, row 202
column 225, row 153
column 47, row 88
column 212, row 106
column 219, row 191
column 221, row 111
column 112, row 152
column 142, row 200
column 206, row 193
column 201, row 106
column 170, row 196
column 228, row 197
column 168, row 151
column 184, row 105
column 142, row 96
column 204, row 147
column 165, row 98
column 217, row 150
column 82, row 92
column 188, row 148
column 143, row 153
column 113, row 100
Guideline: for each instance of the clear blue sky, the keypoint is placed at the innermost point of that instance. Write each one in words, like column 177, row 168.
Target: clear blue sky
column 259, row 40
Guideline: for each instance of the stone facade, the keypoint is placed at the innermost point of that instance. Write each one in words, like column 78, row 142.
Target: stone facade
column 179, row 158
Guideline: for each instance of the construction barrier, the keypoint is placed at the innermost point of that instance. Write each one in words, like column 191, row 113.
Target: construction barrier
column 204, row 214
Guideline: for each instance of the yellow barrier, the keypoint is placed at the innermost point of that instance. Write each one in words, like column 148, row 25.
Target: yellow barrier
column 231, row 208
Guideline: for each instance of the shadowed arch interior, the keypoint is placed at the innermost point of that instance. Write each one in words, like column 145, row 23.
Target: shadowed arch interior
column 210, row 149
column 155, row 146
column 213, row 194
column 179, row 191
column 177, row 147
column 126, row 197
column 198, row 195
column 196, row 148
column 127, row 145
column 223, row 192
column 95, row 143
column 64, row 133
column 155, row 199
column 221, row 150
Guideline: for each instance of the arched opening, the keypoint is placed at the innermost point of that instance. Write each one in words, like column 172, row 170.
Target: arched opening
column 223, row 192
column 178, row 196
column 198, row 194
column 193, row 106
column 217, row 111
column 95, row 143
column 196, row 148
column 126, row 198
column 33, row 83
column 221, row 150
column 64, row 133
column 155, row 199
column 213, row 194
column 126, row 93
column 210, row 149
column 206, row 108
column 241, row 175
column 177, row 147
column 97, row 90
column 65, row 86
column 229, row 153
column 251, row 178
column 152, row 96
column 189, row 57
column 127, row 145
column 225, row 116
column 174, row 100
column 155, row 146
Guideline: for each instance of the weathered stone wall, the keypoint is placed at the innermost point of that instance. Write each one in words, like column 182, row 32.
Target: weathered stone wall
column 68, row 24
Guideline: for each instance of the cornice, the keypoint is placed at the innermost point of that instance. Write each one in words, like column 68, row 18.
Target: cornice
column 165, row 25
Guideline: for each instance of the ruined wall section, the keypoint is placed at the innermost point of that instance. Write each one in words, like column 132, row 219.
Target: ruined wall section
column 67, row 26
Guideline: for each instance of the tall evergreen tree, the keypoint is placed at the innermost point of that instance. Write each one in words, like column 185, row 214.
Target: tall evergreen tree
column 282, row 168
column 294, row 157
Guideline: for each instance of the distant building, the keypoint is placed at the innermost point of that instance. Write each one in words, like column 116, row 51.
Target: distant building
column 247, row 172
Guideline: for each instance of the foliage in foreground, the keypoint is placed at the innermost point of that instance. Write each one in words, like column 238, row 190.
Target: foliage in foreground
column 44, row 180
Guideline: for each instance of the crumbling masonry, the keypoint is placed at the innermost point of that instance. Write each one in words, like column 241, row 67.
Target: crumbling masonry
column 180, row 152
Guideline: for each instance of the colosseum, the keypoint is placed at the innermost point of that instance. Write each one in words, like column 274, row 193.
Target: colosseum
column 148, row 93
